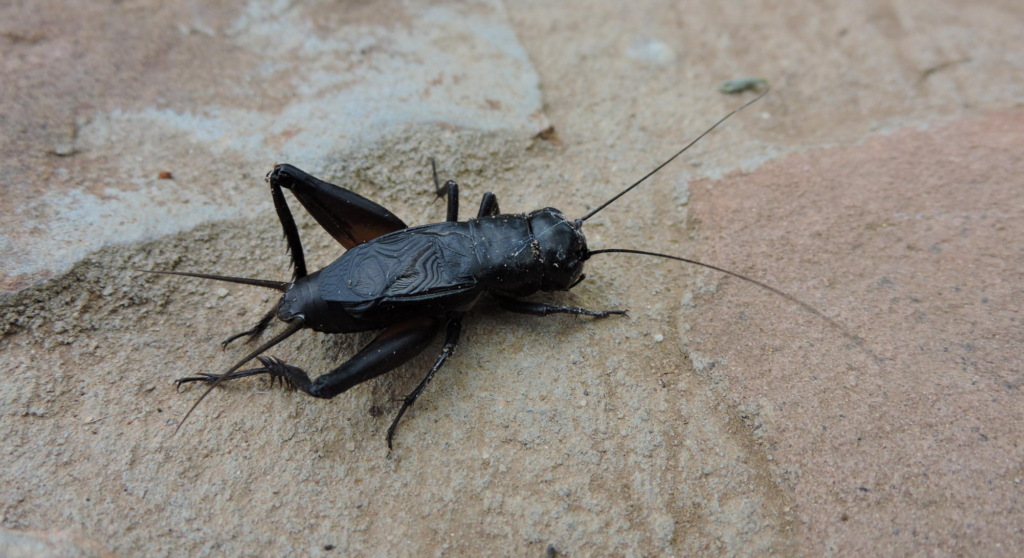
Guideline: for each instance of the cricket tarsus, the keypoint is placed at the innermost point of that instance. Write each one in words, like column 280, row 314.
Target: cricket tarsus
column 268, row 368
column 292, row 328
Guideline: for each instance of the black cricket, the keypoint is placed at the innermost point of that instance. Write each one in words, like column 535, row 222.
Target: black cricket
column 412, row 282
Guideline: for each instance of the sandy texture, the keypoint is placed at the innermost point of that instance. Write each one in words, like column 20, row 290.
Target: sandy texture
column 880, row 181
column 157, row 130
column 922, row 448
column 33, row 544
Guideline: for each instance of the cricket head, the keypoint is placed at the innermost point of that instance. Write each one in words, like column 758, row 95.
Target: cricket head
column 562, row 248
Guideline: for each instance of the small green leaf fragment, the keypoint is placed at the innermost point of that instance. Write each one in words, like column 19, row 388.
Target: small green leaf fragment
column 739, row 85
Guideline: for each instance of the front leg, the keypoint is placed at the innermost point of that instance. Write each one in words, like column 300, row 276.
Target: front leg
column 542, row 309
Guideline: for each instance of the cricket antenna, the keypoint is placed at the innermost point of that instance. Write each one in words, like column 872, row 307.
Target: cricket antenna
column 838, row 327
column 672, row 158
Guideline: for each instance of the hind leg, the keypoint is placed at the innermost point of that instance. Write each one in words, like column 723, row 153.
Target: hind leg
column 348, row 217
column 394, row 347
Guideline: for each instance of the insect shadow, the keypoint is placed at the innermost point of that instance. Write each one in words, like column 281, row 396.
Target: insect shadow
column 412, row 283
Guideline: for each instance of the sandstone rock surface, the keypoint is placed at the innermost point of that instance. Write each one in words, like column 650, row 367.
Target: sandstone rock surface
column 880, row 181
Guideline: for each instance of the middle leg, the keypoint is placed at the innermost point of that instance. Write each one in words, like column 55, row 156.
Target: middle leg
column 488, row 206
column 450, row 189
column 451, row 339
